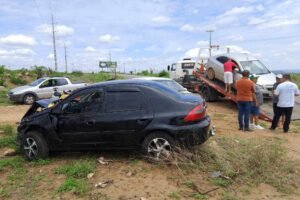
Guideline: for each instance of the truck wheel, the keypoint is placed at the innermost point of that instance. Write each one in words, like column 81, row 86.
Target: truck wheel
column 158, row 146
column 29, row 99
column 210, row 74
column 210, row 95
column 34, row 146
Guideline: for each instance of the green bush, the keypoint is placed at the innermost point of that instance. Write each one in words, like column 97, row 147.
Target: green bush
column 17, row 81
column 2, row 69
column 77, row 73
column 163, row 73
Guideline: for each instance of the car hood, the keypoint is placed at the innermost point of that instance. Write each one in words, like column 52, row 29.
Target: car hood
column 266, row 79
column 22, row 88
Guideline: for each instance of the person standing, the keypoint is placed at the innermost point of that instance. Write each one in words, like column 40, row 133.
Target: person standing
column 228, row 75
column 245, row 97
column 286, row 92
column 254, row 113
column 275, row 97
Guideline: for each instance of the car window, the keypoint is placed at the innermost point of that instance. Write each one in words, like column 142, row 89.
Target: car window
column 120, row 101
column 222, row 59
column 49, row 83
column 61, row 82
column 85, row 102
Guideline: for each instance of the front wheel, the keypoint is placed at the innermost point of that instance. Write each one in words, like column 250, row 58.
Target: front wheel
column 35, row 146
column 29, row 99
column 158, row 146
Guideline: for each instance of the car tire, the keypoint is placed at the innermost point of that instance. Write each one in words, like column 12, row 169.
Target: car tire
column 209, row 95
column 158, row 146
column 211, row 74
column 29, row 99
column 35, row 146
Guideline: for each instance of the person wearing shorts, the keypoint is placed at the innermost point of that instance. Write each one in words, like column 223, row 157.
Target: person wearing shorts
column 254, row 113
column 228, row 75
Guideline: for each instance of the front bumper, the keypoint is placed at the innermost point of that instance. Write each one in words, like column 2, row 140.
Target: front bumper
column 194, row 134
column 15, row 97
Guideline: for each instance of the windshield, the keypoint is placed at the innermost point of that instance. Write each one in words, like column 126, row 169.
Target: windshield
column 255, row 67
column 172, row 85
column 187, row 65
column 37, row 82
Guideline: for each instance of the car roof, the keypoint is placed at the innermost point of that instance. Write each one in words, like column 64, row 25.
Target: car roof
column 152, row 78
column 237, row 56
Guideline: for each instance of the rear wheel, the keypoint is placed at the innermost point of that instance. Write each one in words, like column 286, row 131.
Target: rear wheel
column 158, row 146
column 209, row 94
column 34, row 146
column 29, row 99
column 211, row 74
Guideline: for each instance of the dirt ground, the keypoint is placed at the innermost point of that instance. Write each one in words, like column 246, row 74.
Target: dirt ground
column 134, row 178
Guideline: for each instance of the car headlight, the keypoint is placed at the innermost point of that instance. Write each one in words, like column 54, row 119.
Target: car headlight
column 260, row 87
column 17, row 92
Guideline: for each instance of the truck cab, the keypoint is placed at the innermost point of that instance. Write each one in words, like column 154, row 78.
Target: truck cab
column 181, row 68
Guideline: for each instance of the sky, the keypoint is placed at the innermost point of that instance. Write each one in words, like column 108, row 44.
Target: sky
column 146, row 34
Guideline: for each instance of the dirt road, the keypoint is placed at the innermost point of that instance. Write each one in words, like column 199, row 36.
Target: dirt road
column 135, row 178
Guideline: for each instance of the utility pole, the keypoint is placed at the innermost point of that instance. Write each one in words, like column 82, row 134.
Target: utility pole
column 54, row 45
column 210, row 46
column 66, row 61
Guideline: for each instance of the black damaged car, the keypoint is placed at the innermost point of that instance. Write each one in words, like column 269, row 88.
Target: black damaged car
column 126, row 114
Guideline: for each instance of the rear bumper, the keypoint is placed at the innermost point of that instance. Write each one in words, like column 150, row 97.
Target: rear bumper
column 194, row 134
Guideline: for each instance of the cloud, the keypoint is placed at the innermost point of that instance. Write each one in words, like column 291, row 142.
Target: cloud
column 109, row 38
column 278, row 23
column 16, row 53
column 18, row 40
column 60, row 29
column 235, row 38
column 161, row 19
column 50, row 56
column 89, row 49
column 202, row 43
column 187, row 28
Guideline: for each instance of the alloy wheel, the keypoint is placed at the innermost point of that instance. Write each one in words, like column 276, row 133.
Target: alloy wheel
column 30, row 147
column 159, row 148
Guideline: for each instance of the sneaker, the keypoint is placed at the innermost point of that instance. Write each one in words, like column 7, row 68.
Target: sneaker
column 248, row 130
column 259, row 127
column 252, row 126
column 241, row 129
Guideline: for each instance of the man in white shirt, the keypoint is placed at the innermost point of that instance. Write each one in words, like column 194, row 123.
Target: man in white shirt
column 286, row 92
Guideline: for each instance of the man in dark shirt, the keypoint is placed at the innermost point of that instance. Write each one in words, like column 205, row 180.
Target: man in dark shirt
column 275, row 97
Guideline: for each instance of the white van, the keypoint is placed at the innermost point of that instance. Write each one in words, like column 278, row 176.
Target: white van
column 181, row 68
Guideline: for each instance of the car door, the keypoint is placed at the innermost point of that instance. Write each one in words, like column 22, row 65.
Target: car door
column 127, row 113
column 46, row 89
column 62, row 84
column 79, row 118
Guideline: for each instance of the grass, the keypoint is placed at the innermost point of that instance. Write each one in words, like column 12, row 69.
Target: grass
column 174, row 195
column 76, row 186
column 12, row 162
column 9, row 137
column 76, row 176
column 241, row 160
column 78, row 169
column 296, row 79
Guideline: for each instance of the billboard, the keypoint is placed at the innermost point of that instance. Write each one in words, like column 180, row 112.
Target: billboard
column 108, row 64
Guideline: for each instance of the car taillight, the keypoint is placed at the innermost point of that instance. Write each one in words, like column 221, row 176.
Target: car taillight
column 196, row 114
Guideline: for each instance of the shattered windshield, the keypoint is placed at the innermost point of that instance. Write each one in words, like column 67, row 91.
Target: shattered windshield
column 255, row 67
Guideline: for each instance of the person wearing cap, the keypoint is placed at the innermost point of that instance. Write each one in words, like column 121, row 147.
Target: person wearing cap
column 275, row 97
column 245, row 98
column 254, row 113
column 228, row 75
column 286, row 92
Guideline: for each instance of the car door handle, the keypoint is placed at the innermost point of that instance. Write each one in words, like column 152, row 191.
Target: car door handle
column 89, row 123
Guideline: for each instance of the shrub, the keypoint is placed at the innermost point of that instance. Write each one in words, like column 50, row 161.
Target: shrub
column 77, row 73
column 2, row 69
column 163, row 73
column 17, row 81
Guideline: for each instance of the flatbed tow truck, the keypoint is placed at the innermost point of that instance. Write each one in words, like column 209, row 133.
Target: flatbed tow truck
column 214, row 90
